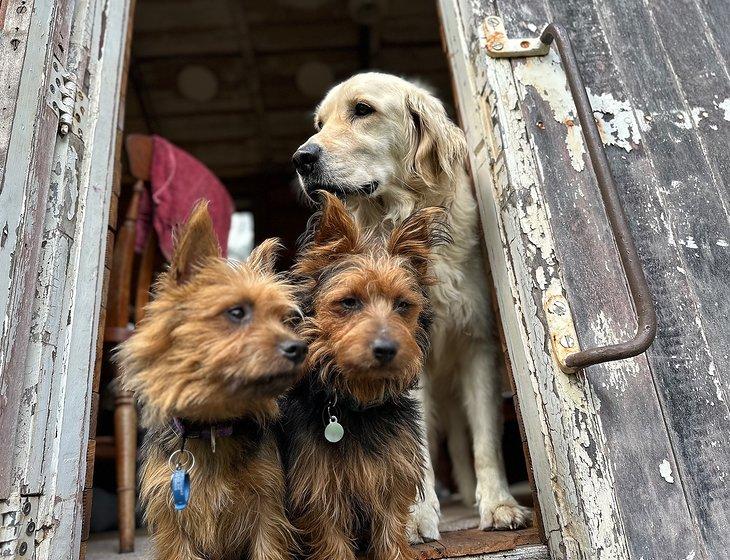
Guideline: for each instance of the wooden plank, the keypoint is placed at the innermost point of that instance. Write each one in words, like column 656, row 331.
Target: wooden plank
column 703, row 85
column 674, row 201
column 573, row 476
column 472, row 542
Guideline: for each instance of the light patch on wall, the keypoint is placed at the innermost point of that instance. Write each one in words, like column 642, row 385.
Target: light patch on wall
column 197, row 83
column 241, row 236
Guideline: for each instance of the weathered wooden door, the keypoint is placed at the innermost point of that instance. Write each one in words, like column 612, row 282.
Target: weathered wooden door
column 630, row 457
column 60, row 81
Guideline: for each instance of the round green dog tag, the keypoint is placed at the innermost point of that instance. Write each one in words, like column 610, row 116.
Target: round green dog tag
column 334, row 431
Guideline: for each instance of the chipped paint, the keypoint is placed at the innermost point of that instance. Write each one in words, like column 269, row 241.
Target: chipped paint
column 71, row 182
column 722, row 243
column 617, row 121
column 690, row 243
column 725, row 106
column 684, row 120
column 665, row 469
column 545, row 75
column 698, row 113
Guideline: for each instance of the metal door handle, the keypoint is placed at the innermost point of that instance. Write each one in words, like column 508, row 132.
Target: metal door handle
column 501, row 46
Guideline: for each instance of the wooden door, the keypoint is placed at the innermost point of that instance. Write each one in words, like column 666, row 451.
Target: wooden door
column 60, row 61
column 630, row 457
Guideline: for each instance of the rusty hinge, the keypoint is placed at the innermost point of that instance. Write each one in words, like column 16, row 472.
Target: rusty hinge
column 18, row 523
column 67, row 100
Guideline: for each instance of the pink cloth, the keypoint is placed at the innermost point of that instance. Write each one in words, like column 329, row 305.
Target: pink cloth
column 178, row 182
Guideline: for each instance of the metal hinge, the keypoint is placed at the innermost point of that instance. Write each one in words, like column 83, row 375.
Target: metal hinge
column 67, row 100
column 18, row 523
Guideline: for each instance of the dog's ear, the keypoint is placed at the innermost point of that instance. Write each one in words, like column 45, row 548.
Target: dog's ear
column 196, row 243
column 438, row 146
column 332, row 233
column 417, row 236
column 263, row 257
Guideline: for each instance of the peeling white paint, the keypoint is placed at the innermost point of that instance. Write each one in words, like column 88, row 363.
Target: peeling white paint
column 684, row 120
column 725, row 106
column 690, row 243
column 690, row 556
column 72, row 182
column 680, row 269
column 616, row 121
column 698, row 113
column 722, row 243
column 644, row 120
column 665, row 469
column 540, row 277
column 546, row 76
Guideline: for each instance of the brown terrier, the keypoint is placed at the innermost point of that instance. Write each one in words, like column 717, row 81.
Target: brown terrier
column 350, row 429
column 207, row 364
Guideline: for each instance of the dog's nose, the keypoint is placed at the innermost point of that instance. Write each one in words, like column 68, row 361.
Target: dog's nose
column 306, row 157
column 384, row 350
column 293, row 350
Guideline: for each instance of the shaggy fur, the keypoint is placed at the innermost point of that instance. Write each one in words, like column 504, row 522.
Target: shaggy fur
column 388, row 148
column 209, row 352
column 357, row 493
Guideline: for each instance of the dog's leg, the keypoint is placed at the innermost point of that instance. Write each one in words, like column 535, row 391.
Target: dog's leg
column 481, row 392
column 425, row 512
column 458, row 441
column 272, row 536
column 327, row 541
column 388, row 539
column 169, row 543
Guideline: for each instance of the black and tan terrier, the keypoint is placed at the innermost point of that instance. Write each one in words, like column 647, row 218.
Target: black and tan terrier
column 351, row 431
column 208, row 364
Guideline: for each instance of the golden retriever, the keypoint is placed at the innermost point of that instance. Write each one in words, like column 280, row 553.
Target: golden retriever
column 388, row 148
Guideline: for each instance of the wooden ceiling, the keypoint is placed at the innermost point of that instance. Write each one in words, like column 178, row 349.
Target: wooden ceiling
column 259, row 115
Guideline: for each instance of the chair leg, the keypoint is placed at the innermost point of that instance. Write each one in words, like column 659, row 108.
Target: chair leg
column 125, row 436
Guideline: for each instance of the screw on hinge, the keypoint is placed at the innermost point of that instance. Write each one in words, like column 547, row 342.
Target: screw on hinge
column 26, row 508
column 497, row 46
column 566, row 341
column 23, row 548
column 558, row 307
column 30, row 529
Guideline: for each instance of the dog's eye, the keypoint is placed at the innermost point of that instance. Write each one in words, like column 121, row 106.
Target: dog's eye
column 319, row 125
column 350, row 304
column 363, row 109
column 402, row 305
column 239, row 313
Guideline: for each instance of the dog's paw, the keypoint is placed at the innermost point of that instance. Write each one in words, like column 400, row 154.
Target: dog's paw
column 507, row 514
column 423, row 526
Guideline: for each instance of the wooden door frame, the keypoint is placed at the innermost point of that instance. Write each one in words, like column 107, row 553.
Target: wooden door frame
column 571, row 467
column 55, row 196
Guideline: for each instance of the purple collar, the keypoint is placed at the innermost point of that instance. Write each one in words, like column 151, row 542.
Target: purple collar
column 191, row 430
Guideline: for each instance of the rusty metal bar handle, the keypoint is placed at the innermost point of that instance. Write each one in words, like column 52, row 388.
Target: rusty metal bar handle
column 645, row 313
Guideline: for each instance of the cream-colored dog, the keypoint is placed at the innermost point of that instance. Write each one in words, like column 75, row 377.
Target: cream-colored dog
column 388, row 148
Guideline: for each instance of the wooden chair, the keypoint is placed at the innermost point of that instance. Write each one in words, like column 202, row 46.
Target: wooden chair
column 122, row 314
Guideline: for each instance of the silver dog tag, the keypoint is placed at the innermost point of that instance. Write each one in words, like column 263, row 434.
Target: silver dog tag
column 334, row 431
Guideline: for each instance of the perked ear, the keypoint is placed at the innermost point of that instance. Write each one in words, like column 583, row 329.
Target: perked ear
column 417, row 236
column 263, row 257
column 438, row 146
column 333, row 233
column 196, row 243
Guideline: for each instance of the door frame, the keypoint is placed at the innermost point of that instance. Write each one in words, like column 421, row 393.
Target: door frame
column 55, row 197
column 571, row 467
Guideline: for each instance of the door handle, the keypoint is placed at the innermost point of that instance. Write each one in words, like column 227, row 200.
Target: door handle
column 569, row 357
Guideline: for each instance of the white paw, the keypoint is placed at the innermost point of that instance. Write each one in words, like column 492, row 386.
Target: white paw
column 423, row 525
column 505, row 514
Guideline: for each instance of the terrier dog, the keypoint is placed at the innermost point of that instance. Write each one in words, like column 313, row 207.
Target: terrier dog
column 208, row 364
column 351, row 430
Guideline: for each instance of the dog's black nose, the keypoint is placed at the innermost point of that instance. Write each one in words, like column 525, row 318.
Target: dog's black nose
column 306, row 157
column 293, row 350
column 384, row 350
